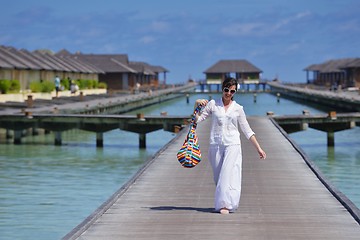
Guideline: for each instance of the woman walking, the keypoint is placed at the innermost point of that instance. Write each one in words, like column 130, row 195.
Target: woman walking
column 225, row 155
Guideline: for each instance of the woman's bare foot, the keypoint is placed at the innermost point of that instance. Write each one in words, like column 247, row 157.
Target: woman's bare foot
column 224, row 211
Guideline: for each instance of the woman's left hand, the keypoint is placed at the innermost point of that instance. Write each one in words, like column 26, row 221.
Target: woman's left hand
column 262, row 154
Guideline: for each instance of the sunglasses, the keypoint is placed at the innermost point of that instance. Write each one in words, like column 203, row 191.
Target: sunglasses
column 228, row 90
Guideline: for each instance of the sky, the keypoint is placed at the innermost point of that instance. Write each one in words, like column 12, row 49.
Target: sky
column 281, row 37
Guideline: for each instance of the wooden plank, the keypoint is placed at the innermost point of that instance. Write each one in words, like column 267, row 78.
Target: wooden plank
column 281, row 199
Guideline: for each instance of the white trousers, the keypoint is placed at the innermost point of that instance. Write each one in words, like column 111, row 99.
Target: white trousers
column 226, row 162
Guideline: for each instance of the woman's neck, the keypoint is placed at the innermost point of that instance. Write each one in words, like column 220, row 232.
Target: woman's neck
column 226, row 102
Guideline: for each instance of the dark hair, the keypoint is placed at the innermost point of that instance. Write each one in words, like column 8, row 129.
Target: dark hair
column 228, row 82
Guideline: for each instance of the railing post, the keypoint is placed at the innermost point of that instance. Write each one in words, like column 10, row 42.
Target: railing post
column 278, row 97
column 140, row 116
column 332, row 115
column 30, row 101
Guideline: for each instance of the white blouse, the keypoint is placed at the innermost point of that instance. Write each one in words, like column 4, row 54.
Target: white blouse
column 225, row 125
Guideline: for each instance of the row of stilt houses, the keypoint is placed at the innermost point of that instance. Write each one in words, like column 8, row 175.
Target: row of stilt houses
column 336, row 73
column 43, row 65
column 27, row 67
column 119, row 73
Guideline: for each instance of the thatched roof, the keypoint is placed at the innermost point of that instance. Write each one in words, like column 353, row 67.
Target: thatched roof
column 159, row 69
column 233, row 66
column 4, row 64
column 335, row 65
column 12, row 58
column 352, row 64
column 105, row 62
column 115, row 63
column 146, row 68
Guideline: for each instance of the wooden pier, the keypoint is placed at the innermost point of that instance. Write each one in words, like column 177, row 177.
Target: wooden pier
column 329, row 123
column 283, row 197
column 243, row 87
column 337, row 101
column 110, row 103
column 98, row 124
column 91, row 113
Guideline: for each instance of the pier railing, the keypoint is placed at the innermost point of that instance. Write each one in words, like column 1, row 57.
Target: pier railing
column 98, row 124
column 339, row 101
column 329, row 123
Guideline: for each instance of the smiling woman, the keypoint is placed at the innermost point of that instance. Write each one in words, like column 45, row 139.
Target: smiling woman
column 225, row 154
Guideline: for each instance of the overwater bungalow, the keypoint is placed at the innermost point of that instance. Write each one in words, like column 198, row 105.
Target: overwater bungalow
column 39, row 66
column 43, row 65
column 244, row 71
column 335, row 73
column 119, row 73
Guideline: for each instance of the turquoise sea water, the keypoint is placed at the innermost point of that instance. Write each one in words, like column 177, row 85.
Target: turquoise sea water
column 46, row 190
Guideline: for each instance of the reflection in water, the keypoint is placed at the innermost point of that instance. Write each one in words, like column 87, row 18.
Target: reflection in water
column 46, row 190
column 340, row 164
column 331, row 154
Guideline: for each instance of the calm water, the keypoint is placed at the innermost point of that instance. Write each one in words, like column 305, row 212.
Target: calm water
column 46, row 190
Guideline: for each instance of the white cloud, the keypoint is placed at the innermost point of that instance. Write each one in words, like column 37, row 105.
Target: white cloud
column 261, row 28
column 109, row 48
column 243, row 29
column 257, row 53
column 159, row 26
column 147, row 39
column 289, row 20
column 293, row 47
column 349, row 26
column 93, row 33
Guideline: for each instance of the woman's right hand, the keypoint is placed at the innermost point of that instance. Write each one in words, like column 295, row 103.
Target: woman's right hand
column 201, row 101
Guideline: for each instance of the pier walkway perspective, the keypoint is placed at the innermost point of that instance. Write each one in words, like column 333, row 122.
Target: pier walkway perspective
column 283, row 197
column 340, row 100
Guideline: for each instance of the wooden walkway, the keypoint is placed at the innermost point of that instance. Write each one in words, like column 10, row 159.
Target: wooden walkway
column 281, row 198
column 340, row 100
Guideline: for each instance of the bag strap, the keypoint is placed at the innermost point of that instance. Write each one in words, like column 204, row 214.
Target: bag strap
column 196, row 111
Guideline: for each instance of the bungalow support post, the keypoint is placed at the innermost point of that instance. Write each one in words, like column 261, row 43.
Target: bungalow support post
column 100, row 139
column 142, row 140
column 58, row 140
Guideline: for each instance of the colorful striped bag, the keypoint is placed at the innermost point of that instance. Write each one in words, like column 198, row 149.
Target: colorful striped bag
column 189, row 154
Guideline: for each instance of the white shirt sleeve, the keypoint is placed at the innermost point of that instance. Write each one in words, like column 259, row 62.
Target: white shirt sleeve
column 206, row 111
column 244, row 124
